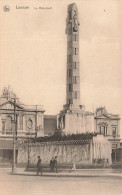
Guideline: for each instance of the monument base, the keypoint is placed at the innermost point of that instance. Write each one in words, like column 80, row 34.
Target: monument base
column 75, row 120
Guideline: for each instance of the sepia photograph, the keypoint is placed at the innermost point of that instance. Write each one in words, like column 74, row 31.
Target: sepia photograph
column 60, row 97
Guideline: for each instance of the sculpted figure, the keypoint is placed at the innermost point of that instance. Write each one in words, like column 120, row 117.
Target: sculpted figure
column 75, row 22
column 61, row 122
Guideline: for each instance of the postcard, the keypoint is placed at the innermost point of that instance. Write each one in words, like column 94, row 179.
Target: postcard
column 60, row 97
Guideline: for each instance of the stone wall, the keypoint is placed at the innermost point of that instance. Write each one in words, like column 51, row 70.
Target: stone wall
column 66, row 153
column 79, row 151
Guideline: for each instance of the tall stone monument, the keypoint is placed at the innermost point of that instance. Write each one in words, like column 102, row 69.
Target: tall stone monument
column 73, row 73
column 71, row 119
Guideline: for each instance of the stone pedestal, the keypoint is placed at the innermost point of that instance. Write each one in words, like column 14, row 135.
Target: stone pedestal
column 71, row 121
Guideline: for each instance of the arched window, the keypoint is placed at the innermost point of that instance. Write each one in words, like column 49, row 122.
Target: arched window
column 103, row 129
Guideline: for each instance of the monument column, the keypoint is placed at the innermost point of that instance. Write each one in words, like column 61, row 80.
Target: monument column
column 71, row 118
column 73, row 75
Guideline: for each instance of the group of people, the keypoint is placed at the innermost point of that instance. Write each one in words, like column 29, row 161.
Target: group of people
column 53, row 165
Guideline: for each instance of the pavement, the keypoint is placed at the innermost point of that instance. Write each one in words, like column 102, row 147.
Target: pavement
column 77, row 182
column 75, row 173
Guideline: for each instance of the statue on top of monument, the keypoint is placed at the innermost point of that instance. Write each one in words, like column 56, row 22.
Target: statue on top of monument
column 72, row 20
column 75, row 21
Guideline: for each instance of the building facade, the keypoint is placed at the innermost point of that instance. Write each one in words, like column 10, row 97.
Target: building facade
column 108, row 125
column 27, row 119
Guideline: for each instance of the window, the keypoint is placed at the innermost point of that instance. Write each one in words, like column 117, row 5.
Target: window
column 75, row 79
column 103, row 130
column 8, row 125
column 114, row 146
column 70, row 87
column 21, row 122
column 75, row 65
column 70, row 72
column 75, row 51
column 114, row 131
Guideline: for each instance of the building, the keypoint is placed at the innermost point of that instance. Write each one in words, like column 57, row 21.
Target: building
column 27, row 121
column 119, row 153
column 108, row 125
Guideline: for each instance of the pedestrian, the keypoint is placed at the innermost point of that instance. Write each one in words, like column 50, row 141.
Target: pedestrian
column 39, row 166
column 55, row 164
column 52, row 165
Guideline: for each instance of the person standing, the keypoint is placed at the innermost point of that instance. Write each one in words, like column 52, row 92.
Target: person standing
column 39, row 166
column 52, row 165
column 55, row 164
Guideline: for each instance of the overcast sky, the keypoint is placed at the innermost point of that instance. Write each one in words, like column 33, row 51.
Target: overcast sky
column 33, row 53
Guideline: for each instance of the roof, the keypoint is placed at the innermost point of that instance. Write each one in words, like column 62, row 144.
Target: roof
column 109, row 116
column 101, row 112
column 33, row 108
column 12, row 103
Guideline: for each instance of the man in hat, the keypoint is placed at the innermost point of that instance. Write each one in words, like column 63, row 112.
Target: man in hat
column 52, row 165
column 55, row 164
column 39, row 166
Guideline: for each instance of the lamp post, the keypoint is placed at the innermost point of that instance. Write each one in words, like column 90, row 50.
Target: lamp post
column 115, row 147
column 14, row 139
column 28, row 152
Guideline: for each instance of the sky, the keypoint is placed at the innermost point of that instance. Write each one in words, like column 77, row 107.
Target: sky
column 33, row 53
